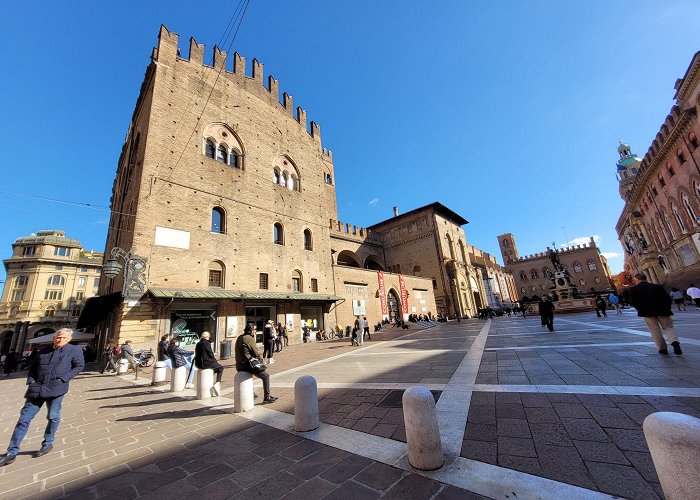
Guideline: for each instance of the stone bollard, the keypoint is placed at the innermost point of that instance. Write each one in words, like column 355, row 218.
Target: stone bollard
column 243, row 395
column 159, row 372
column 178, row 379
column 122, row 366
column 674, row 443
column 422, row 431
column 305, row 404
column 205, row 381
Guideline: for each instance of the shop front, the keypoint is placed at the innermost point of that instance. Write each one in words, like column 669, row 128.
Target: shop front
column 188, row 322
column 311, row 322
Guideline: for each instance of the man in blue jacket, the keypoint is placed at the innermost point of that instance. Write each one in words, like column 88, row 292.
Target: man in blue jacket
column 47, row 382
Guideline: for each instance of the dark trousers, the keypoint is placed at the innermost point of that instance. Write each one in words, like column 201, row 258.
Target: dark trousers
column 265, row 377
column 548, row 321
column 269, row 348
column 367, row 332
column 109, row 362
column 219, row 371
column 601, row 310
column 29, row 410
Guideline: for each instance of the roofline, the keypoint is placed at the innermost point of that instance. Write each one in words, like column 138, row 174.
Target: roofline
column 437, row 207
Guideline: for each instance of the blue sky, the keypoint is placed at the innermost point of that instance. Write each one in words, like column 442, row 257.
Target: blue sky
column 508, row 112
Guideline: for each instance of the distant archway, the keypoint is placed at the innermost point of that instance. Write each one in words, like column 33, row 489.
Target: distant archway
column 394, row 306
column 348, row 258
column 372, row 262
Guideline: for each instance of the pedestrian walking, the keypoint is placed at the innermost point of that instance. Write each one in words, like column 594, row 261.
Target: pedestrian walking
column 179, row 358
column 546, row 309
column 269, row 342
column 108, row 358
column 678, row 298
column 204, row 360
column 245, row 350
column 653, row 304
column 600, row 306
column 365, row 326
column 47, row 382
column 10, row 365
column 615, row 301
column 128, row 354
column 694, row 293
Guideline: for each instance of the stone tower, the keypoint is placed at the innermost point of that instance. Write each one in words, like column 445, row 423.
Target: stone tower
column 508, row 249
column 627, row 168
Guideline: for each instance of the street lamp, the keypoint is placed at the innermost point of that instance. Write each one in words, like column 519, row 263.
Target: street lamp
column 133, row 271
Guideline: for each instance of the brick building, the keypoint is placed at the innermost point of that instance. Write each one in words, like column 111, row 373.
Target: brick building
column 49, row 278
column 224, row 212
column 659, row 227
column 588, row 268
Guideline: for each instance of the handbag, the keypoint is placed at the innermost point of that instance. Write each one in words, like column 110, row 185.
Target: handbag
column 256, row 366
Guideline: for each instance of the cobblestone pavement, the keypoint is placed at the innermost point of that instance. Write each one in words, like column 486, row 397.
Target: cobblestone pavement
column 522, row 412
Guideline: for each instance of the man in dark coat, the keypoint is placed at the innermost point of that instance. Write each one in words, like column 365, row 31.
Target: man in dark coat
column 547, row 313
column 204, row 360
column 245, row 349
column 653, row 304
column 47, row 382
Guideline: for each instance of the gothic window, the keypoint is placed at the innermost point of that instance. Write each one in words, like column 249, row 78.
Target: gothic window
column 671, row 172
column 216, row 275
column 286, row 174
column 328, row 179
column 693, row 142
column 276, row 175
column 662, row 182
column 463, row 251
column 689, row 209
column 233, row 158
column 505, row 243
column 416, row 270
column 308, row 242
column 534, row 274
column 292, row 182
column 670, row 228
column 221, row 154
column 283, row 179
column 296, row 282
column 678, row 218
column 450, row 246
column 218, row 220
column 209, row 149
column 523, row 276
column 578, row 267
column 278, row 234
column 545, row 272
column 680, row 156
column 591, row 265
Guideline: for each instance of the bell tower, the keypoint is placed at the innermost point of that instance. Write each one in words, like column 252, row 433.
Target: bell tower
column 627, row 168
column 509, row 251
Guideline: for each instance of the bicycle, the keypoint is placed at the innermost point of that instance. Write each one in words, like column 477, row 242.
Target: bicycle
column 145, row 358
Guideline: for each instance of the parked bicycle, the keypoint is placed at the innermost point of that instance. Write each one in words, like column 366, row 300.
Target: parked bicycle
column 145, row 358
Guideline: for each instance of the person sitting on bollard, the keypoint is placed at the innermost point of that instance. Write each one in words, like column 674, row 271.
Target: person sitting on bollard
column 204, row 360
column 163, row 351
column 128, row 354
column 245, row 350
column 179, row 357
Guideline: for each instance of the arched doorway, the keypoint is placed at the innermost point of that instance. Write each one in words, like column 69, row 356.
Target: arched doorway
column 5, row 341
column 392, row 303
column 477, row 299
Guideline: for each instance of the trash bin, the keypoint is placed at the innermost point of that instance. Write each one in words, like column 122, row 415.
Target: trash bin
column 225, row 352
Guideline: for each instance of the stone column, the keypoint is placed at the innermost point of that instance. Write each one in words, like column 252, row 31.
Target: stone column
column 305, row 404
column 422, row 431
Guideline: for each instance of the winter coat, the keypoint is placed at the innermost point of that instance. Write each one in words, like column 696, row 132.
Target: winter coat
column 245, row 349
column 163, row 350
column 51, row 371
column 204, row 355
column 177, row 356
column 650, row 300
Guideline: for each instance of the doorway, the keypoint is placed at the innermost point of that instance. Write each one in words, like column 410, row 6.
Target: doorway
column 392, row 302
column 259, row 316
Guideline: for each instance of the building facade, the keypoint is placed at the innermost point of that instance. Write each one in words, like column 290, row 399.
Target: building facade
column 659, row 227
column 49, row 278
column 498, row 282
column 531, row 274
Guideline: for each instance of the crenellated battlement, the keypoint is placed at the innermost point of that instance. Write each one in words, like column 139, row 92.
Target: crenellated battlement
column 560, row 251
column 167, row 53
column 354, row 232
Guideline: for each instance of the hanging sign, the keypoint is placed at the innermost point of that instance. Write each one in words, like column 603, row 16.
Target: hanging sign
column 404, row 294
column 382, row 293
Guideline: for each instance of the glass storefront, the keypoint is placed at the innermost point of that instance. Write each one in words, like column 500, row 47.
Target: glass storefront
column 187, row 326
column 259, row 316
column 311, row 317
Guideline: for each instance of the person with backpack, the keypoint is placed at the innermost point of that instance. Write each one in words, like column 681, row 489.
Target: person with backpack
column 615, row 301
column 109, row 356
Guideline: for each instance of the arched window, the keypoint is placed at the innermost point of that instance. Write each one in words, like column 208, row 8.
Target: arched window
column 297, row 285
column 578, row 267
column 348, row 258
column 283, row 178
column 218, row 220
column 463, row 251
column 680, row 156
column 591, row 265
column 56, row 280
column 523, row 276
column 221, row 154
column 670, row 227
column 416, row 270
column 209, row 149
column 292, row 182
column 689, row 209
column 50, row 311
column 678, row 218
column 545, row 272
column 534, row 274
column 450, row 246
column 21, row 280
column 693, row 141
column 308, row 242
column 233, row 158
column 276, row 175
column 328, row 179
column 216, row 274
column 278, row 234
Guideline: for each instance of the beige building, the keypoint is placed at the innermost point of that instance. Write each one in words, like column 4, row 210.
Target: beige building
column 659, row 227
column 49, row 278
column 224, row 212
column 498, row 282
column 531, row 274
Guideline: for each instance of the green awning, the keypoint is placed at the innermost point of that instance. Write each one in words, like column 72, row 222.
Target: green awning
column 184, row 293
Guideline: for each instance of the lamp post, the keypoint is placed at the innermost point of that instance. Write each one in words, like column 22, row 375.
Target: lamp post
column 133, row 272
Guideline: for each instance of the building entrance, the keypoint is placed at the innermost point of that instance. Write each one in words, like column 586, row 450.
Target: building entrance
column 259, row 316
column 392, row 303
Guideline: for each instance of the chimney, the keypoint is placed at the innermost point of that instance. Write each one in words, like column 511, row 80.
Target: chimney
column 396, row 211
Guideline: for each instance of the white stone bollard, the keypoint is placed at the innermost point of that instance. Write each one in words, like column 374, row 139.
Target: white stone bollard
column 243, row 395
column 674, row 443
column 122, row 366
column 205, row 381
column 305, row 404
column 422, row 430
column 178, row 379
column 159, row 373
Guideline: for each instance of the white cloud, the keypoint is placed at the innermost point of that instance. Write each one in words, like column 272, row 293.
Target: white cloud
column 374, row 201
column 610, row 255
column 581, row 240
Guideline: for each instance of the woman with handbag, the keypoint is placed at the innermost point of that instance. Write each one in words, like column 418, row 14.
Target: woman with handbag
column 248, row 360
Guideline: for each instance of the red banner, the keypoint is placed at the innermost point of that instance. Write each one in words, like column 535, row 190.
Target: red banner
column 404, row 294
column 382, row 293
